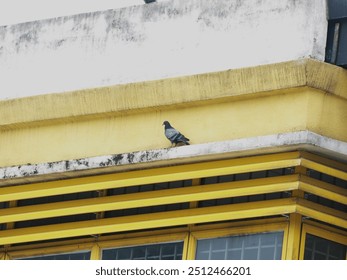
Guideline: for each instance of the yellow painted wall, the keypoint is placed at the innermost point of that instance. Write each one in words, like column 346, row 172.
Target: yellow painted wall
column 279, row 111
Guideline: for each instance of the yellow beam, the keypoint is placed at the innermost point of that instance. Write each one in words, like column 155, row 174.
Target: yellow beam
column 150, row 176
column 323, row 189
column 240, row 230
column 188, row 194
column 293, row 239
column 322, row 213
column 324, row 169
column 102, row 241
column 4, row 257
column 191, row 251
column 49, row 249
column 330, row 234
column 326, row 228
column 152, row 198
column 95, row 253
column 325, row 161
column 147, row 221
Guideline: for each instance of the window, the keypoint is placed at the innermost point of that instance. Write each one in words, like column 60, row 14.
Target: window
column 263, row 246
column 322, row 242
column 317, row 248
column 164, row 251
column 336, row 49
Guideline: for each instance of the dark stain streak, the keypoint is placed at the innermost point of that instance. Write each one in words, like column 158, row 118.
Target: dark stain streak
column 121, row 26
column 130, row 157
column 59, row 43
column 82, row 162
column 143, row 157
column 117, row 159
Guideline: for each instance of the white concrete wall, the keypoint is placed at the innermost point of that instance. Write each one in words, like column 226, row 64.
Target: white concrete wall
column 148, row 42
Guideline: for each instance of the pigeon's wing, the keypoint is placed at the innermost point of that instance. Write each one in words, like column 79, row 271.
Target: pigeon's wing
column 171, row 134
column 182, row 138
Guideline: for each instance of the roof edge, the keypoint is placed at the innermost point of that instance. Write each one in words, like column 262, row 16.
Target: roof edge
column 300, row 140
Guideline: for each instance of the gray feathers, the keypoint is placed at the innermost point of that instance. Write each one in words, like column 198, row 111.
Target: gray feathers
column 174, row 135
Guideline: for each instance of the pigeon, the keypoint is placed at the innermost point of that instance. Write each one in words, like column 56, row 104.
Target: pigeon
column 174, row 135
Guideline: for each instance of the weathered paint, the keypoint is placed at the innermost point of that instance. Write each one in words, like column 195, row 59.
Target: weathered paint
column 160, row 40
column 265, row 144
column 59, row 127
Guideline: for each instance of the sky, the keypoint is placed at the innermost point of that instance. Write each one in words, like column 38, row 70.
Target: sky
column 17, row 11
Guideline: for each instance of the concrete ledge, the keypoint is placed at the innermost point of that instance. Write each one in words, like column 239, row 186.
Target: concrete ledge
column 301, row 140
column 172, row 93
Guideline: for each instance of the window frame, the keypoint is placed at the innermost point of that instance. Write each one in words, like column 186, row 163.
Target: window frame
column 321, row 231
column 146, row 240
column 247, row 229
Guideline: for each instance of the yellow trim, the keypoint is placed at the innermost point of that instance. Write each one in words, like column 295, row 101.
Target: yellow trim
column 171, row 235
column 12, row 204
column 325, row 227
column 188, row 194
column 151, row 176
column 250, row 229
column 95, row 253
column 180, row 217
column 330, row 234
column 323, row 189
column 186, row 247
column 5, row 257
column 136, row 241
column 94, row 240
column 324, row 169
column 321, row 213
column 191, row 247
column 285, row 241
column 65, row 249
column 134, row 235
column 146, row 221
column 177, row 92
column 326, row 233
column 294, row 234
column 325, row 161
column 301, row 171
column 153, row 198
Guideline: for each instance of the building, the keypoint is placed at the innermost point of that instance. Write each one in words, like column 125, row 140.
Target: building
column 87, row 173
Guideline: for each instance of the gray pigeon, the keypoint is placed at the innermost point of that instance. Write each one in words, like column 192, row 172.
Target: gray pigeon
column 174, row 135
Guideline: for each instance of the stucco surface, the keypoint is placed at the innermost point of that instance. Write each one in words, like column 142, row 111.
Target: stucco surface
column 160, row 40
